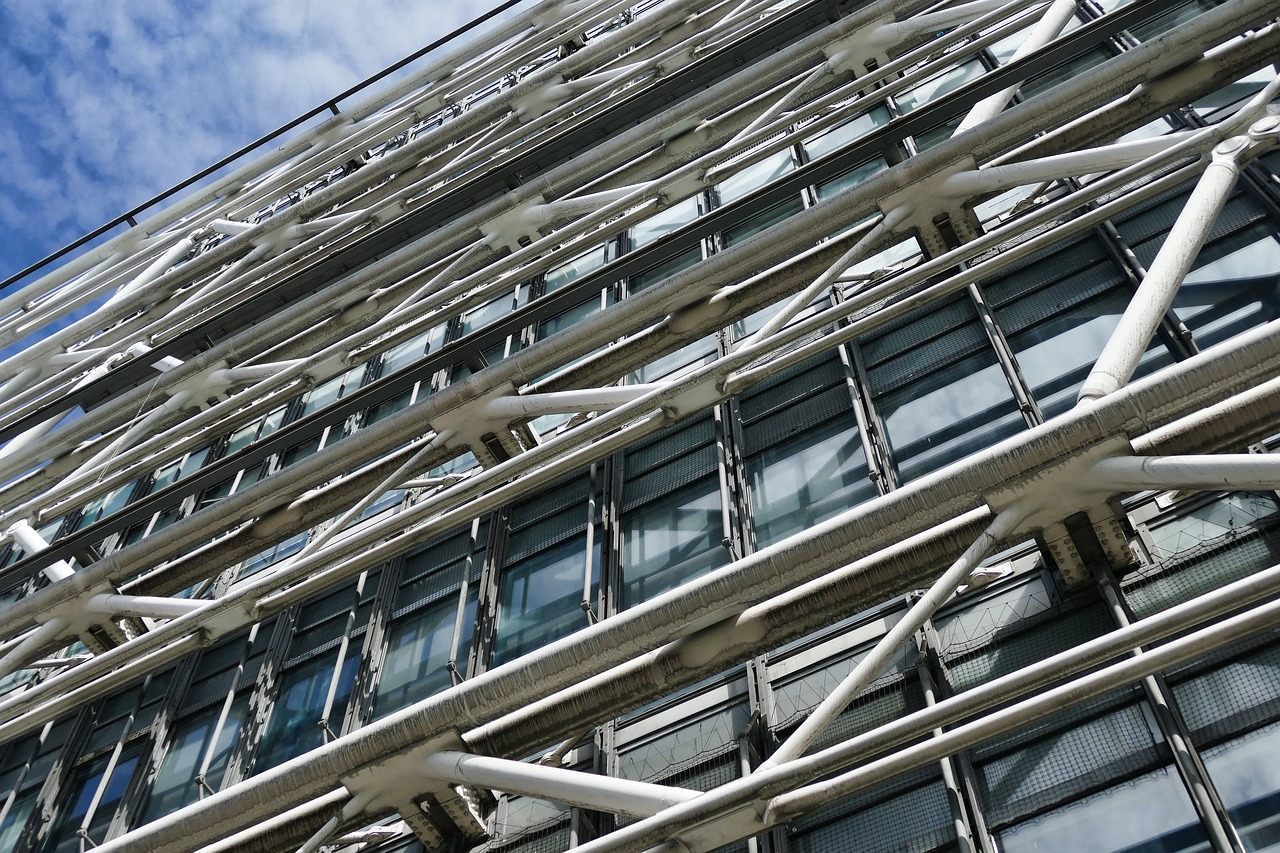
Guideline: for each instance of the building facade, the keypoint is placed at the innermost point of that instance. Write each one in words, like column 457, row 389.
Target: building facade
column 780, row 427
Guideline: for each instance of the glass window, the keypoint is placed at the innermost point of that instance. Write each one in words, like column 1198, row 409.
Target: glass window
column 579, row 266
column 1151, row 812
column 96, row 792
column 754, row 176
column 478, row 318
column 329, row 391
column 420, row 654
column 1247, row 777
column 318, row 676
column 804, row 453
column 1058, row 312
column 430, row 613
column 939, row 389
column 1232, row 289
column 660, row 224
column 942, row 84
column 404, row 354
column 16, row 820
column 841, row 135
column 851, row 178
column 544, row 579
column 242, row 437
column 541, row 600
column 672, row 517
column 103, row 506
column 201, row 747
column 298, row 716
column 755, row 225
column 1233, row 513
column 671, row 541
column 666, row 269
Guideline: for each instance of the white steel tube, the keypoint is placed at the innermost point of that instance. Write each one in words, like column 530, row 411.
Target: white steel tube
column 30, row 540
column 150, row 606
column 557, row 402
column 31, row 645
column 1219, row 471
column 798, row 227
column 903, row 630
column 1050, row 25
column 764, row 784
column 1124, row 349
column 586, row 790
column 1127, row 671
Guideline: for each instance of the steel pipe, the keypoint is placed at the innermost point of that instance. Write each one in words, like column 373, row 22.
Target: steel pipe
column 586, row 790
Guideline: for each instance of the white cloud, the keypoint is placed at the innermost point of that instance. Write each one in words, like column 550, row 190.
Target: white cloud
column 108, row 103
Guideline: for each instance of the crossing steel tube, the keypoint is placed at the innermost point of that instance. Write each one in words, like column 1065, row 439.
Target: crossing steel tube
column 734, row 800
column 706, row 600
column 995, row 723
column 921, row 610
column 601, row 793
column 1225, row 472
column 1148, row 306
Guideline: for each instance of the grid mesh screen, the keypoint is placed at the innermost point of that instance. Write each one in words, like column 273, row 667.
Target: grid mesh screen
column 792, row 387
column 1066, row 756
column 1205, row 567
column 926, row 345
column 908, row 814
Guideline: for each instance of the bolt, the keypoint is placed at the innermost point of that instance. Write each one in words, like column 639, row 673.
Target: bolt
column 1268, row 126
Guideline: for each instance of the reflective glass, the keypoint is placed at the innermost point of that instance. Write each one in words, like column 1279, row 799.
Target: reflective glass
column 950, row 413
column 541, row 600
column 1151, row 813
column 841, row 135
column 660, row 224
column 64, row 839
column 411, row 350
column 1247, row 776
column 1232, row 513
column 672, row 540
column 759, row 223
column 1225, row 296
column 754, row 176
column 851, row 178
column 478, row 318
column 944, row 83
column 808, row 479
column 296, row 726
column 14, row 822
column 1056, row 355
column 175, row 784
column 418, row 654
column 581, row 265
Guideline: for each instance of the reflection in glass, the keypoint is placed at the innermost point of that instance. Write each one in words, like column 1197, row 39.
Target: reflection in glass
column 1223, row 297
column 1056, row 355
column 1150, row 813
column 672, row 540
column 662, row 223
column 541, row 600
column 14, row 822
column 841, row 135
column 1247, row 777
column 419, row 652
column 176, row 784
column 949, row 413
column 296, row 724
column 755, row 176
column 943, row 84
column 89, row 799
column 808, row 479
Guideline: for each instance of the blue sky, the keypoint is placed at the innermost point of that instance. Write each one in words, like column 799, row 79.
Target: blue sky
column 104, row 103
